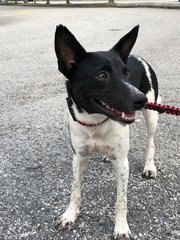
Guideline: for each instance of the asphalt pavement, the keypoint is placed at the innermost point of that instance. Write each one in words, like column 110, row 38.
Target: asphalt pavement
column 35, row 150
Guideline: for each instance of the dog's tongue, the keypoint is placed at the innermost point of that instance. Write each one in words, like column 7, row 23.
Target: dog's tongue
column 130, row 115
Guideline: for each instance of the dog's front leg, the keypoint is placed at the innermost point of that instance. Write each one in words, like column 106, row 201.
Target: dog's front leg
column 121, row 230
column 79, row 169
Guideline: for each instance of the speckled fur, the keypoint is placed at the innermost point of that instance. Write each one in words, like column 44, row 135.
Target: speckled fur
column 110, row 139
column 122, row 91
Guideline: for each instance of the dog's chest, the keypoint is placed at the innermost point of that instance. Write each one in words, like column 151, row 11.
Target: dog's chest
column 106, row 140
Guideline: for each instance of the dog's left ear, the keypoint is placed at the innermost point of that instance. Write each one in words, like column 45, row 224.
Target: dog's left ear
column 68, row 50
column 126, row 43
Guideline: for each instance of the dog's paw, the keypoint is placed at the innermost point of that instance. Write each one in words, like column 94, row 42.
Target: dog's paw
column 121, row 230
column 67, row 220
column 150, row 172
column 122, row 237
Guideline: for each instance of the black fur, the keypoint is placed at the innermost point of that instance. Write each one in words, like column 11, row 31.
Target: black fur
column 138, row 76
column 109, row 76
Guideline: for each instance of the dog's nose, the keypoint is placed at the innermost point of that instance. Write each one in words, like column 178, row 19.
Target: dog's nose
column 139, row 101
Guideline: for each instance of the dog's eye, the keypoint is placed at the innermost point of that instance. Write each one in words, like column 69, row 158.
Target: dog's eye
column 102, row 76
column 125, row 71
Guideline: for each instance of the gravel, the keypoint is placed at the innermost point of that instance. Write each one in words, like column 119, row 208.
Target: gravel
column 35, row 150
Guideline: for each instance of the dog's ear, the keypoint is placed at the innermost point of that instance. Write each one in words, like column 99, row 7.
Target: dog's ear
column 126, row 43
column 68, row 50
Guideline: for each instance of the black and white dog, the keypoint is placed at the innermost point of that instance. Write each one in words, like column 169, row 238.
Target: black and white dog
column 104, row 90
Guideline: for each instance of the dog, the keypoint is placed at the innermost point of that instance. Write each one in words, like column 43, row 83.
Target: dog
column 104, row 89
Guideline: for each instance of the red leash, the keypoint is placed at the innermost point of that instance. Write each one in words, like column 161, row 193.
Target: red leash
column 163, row 108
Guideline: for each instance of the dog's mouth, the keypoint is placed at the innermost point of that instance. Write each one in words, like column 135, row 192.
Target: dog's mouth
column 125, row 117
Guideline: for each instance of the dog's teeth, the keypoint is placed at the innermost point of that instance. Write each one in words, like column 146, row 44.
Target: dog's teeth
column 123, row 115
column 106, row 106
column 102, row 103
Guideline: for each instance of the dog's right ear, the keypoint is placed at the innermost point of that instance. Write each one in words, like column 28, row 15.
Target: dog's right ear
column 126, row 43
column 68, row 50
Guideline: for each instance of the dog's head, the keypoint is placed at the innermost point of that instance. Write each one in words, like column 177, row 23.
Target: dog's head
column 98, row 81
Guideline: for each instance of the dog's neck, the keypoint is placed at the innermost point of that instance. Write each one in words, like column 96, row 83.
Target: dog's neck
column 84, row 118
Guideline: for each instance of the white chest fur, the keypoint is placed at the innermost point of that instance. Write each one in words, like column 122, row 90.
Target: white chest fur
column 110, row 138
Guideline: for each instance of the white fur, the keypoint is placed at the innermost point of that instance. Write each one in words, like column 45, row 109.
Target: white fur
column 146, row 68
column 110, row 139
column 151, row 120
column 92, row 118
